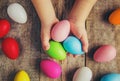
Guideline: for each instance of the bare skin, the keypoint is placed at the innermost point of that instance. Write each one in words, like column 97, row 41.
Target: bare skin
column 48, row 18
column 77, row 17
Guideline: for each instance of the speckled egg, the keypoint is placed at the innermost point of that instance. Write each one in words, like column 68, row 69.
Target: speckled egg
column 111, row 77
column 73, row 45
column 60, row 31
column 21, row 76
column 105, row 53
column 83, row 74
column 50, row 68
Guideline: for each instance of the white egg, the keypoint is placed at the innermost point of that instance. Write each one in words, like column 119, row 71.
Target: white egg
column 17, row 13
column 83, row 74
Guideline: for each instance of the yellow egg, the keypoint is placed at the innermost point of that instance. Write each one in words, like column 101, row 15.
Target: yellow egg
column 22, row 76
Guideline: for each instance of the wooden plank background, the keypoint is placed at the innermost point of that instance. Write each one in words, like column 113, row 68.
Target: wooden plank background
column 99, row 31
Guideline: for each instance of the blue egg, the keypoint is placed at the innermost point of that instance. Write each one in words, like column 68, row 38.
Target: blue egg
column 73, row 45
column 111, row 77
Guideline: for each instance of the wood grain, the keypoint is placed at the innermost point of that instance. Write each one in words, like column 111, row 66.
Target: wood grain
column 101, row 32
column 31, row 52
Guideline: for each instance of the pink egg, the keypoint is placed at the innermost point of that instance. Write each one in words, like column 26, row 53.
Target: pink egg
column 50, row 68
column 60, row 31
column 105, row 53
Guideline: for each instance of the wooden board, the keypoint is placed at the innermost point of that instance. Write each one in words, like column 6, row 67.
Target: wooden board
column 31, row 53
column 100, row 32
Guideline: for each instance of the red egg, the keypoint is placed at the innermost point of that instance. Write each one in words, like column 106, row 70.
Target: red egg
column 105, row 53
column 10, row 48
column 4, row 27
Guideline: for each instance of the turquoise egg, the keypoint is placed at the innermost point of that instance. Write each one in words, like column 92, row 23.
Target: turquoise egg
column 73, row 45
column 111, row 77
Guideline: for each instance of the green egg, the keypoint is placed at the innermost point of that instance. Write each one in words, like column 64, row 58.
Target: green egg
column 56, row 51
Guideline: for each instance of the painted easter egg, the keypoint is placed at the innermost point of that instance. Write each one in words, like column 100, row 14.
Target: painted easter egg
column 21, row 76
column 105, row 53
column 73, row 45
column 50, row 68
column 4, row 27
column 83, row 74
column 10, row 48
column 111, row 77
column 60, row 31
column 56, row 51
column 17, row 13
column 114, row 17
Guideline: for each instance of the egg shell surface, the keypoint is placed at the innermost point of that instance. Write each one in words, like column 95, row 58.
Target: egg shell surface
column 4, row 27
column 105, row 53
column 22, row 76
column 114, row 17
column 50, row 68
column 111, row 77
column 83, row 74
column 60, row 31
column 17, row 13
column 10, row 48
column 56, row 51
column 73, row 45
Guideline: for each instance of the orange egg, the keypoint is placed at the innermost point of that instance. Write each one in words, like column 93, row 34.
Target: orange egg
column 114, row 17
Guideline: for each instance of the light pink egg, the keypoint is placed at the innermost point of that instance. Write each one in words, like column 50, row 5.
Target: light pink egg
column 50, row 68
column 105, row 53
column 60, row 31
